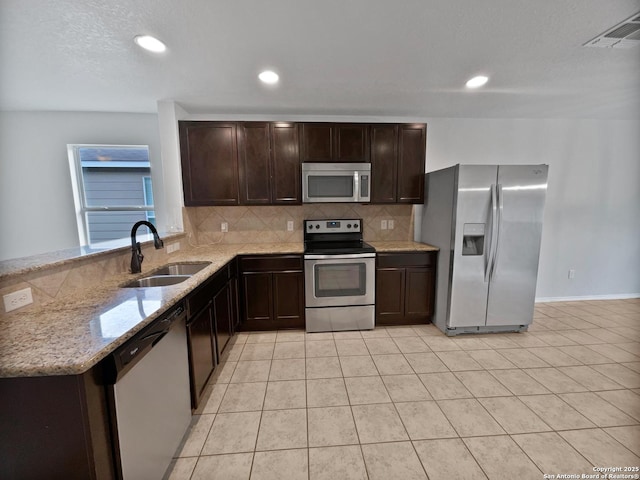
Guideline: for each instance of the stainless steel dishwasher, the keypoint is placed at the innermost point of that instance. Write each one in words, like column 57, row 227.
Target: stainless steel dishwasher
column 149, row 391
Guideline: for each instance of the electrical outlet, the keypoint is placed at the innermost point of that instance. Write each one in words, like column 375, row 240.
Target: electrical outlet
column 289, row 225
column 224, row 227
column 391, row 224
column 17, row 299
column 173, row 247
column 572, row 274
column 383, row 224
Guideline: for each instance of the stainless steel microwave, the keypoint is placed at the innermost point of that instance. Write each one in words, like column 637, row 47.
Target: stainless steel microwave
column 336, row 182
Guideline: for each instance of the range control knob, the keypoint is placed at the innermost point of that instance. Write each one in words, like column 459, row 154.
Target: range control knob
column 348, row 225
column 355, row 225
column 317, row 226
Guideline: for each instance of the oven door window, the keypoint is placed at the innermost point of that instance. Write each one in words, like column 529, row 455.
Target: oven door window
column 330, row 186
column 340, row 280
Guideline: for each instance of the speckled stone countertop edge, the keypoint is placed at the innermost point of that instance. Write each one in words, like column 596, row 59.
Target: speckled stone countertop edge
column 74, row 359
column 35, row 263
column 399, row 246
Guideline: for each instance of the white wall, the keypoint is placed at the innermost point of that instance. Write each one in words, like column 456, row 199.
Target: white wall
column 37, row 213
column 592, row 213
column 169, row 113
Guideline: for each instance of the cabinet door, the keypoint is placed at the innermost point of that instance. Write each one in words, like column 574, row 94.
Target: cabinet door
column 258, row 300
column 316, row 142
column 222, row 316
column 390, row 296
column 411, row 162
column 209, row 163
column 384, row 163
column 418, row 294
column 288, row 299
column 201, row 353
column 351, row 142
column 235, row 315
column 254, row 163
column 285, row 164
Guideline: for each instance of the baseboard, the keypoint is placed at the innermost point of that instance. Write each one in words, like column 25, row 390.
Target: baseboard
column 621, row 296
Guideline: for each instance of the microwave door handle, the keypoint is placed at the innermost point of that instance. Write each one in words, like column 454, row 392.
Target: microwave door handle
column 365, row 187
column 356, row 186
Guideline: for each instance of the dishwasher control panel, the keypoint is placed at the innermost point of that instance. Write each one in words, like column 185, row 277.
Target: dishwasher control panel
column 123, row 358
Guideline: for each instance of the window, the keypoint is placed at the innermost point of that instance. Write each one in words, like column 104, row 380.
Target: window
column 112, row 190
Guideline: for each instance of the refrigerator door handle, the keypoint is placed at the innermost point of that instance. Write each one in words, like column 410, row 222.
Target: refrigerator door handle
column 499, row 229
column 494, row 227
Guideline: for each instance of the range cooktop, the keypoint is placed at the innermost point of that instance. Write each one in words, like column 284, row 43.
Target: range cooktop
column 335, row 237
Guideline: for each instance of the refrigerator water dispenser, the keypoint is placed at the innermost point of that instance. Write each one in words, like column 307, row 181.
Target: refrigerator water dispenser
column 473, row 239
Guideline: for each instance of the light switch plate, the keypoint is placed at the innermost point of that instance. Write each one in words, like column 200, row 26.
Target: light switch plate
column 383, row 224
column 224, row 227
column 391, row 224
column 289, row 225
column 18, row 299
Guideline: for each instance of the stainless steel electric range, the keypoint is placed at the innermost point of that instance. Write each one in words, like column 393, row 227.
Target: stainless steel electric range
column 339, row 270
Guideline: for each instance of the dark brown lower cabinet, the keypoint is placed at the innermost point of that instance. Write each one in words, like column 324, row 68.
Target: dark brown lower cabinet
column 272, row 292
column 211, row 313
column 405, row 288
column 202, row 352
column 55, row 428
column 222, row 315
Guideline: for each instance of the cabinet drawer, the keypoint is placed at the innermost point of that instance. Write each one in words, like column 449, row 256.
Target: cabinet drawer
column 264, row 263
column 418, row 259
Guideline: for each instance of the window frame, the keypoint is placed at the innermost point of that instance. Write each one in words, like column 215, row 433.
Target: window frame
column 79, row 195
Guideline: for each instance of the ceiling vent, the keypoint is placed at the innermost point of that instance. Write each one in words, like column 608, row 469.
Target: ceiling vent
column 623, row 35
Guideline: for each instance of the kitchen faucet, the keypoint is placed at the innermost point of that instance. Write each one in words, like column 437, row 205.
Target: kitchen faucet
column 136, row 252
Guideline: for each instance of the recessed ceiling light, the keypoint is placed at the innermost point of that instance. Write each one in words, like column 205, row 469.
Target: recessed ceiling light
column 269, row 77
column 150, row 43
column 478, row 81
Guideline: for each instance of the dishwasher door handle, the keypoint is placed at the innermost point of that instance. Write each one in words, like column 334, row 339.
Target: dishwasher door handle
column 157, row 337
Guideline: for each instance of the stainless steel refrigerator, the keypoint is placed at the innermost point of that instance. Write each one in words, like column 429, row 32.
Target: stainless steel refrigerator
column 487, row 222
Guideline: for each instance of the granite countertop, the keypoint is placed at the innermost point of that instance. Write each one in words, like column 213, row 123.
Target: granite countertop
column 35, row 263
column 70, row 336
column 403, row 247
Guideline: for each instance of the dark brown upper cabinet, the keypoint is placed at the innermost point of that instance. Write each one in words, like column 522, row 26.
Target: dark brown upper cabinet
column 398, row 163
column 384, row 163
column 255, row 164
column 209, row 156
column 285, row 164
column 412, row 142
column 243, row 163
column 334, row 142
column 258, row 163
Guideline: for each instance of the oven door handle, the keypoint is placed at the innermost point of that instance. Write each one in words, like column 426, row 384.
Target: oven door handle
column 338, row 256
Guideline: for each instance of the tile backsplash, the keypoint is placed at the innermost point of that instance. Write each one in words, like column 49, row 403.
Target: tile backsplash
column 255, row 224
column 267, row 224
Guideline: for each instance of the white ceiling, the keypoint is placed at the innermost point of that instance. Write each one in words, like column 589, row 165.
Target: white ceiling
column 335, row 57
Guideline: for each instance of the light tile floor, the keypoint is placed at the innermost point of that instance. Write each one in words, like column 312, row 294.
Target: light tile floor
column 409, row 403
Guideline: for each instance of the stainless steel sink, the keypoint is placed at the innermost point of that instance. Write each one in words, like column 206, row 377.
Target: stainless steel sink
column 168, row 275
column 156, row 281
column 181, row 269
